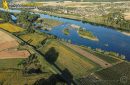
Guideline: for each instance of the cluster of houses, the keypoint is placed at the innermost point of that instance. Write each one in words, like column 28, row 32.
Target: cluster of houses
column 92, row 9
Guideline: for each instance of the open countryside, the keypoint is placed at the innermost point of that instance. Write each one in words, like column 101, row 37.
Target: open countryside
column 80, row 42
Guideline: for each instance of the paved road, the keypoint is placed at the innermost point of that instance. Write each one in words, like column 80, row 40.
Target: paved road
column 88, row 55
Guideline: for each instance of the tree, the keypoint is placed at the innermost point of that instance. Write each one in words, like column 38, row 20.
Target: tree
column 5, row 16
column 27, row 20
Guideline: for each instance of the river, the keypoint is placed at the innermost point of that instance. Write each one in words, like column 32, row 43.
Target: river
column 109, row 39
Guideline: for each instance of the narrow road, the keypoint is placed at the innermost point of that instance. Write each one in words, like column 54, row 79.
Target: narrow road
column 88, row 55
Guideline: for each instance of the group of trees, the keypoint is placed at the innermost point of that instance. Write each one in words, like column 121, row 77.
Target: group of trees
column 117, row 20
column 6, row 16
column 31, row 65
column 27, row 20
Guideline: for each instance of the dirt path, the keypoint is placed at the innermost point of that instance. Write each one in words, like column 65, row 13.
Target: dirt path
column 88, row 55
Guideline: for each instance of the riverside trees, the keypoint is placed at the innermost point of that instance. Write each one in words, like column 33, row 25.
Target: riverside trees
column 27, row 20
column 117, row 20
column 5, row 16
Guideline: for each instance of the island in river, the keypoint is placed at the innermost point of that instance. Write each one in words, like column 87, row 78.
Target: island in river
column 87, row 34
column 66, row 31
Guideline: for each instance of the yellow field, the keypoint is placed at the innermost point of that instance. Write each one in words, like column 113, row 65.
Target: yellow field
column 33, row 38
column 70, row 60
column 10, row 27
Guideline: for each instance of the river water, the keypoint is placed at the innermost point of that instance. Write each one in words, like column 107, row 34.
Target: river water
column 109, row 39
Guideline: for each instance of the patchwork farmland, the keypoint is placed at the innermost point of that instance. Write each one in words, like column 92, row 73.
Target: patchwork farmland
column 8, row 47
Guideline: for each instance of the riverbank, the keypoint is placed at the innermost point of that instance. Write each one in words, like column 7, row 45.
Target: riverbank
column 125, row 33
column 93, row 21
column 48, row 24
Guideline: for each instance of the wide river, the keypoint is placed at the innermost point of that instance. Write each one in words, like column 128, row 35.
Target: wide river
column 109, row 39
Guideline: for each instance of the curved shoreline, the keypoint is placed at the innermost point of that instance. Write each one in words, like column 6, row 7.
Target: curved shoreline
column 85, row 21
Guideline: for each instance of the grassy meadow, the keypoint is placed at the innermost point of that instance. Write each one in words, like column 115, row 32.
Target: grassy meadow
column 1, row 19
column 15, row 77
column 105, row 57
column 67, row 59
column 116, row 75
column 33, row 38
column 9, row 63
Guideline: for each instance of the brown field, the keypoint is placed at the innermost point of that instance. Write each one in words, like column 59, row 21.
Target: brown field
column 7, row 41
column 127, row 16
column 8, row 47
column 13, row 54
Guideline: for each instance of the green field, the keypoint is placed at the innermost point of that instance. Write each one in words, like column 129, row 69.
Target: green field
column 11, row 73
column 33, row 38
column 1, row 19
column 50, row 23
column 68, row 59
column 15, row 77
column 9, row 63
column 108, row 58
column 115, row 74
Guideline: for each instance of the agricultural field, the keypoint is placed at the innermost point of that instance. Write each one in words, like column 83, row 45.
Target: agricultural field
column 69, row 59
column 11, row 69
column 10, row 27
column 105, row 57
column 118, row 74
column 33, row 38
column 16, row 77
column 8, row 47
column 127, row 16
column 10, row 63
